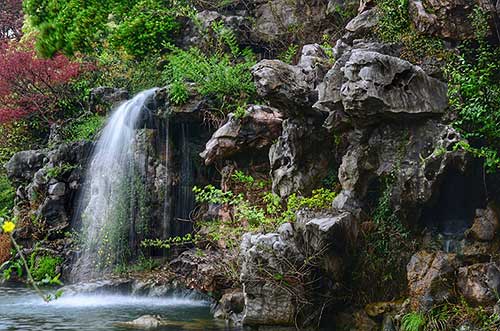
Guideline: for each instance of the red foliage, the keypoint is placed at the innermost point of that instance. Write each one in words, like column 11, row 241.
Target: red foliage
column 30, row 85
column 11, row 19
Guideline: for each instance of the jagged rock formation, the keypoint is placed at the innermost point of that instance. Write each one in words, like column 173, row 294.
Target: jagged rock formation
column 256, row 130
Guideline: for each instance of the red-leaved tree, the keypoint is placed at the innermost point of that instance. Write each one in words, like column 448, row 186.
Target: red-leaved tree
column 11, row 19
column 35, row 87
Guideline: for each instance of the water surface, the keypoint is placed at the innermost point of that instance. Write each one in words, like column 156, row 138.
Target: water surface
column 21, row 309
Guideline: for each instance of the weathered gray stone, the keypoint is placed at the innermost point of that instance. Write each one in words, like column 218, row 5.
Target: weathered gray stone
column 255, row 131
column 378, row 86
column 23, row 165
column 267, row 303
column 301, row 157
column 57, row 189
column 419, row 156
column 291, row 89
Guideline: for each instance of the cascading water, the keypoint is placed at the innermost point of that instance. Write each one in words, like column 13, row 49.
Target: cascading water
column 106, row 210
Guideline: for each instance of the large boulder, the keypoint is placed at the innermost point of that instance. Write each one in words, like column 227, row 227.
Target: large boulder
column 265, row 271
column 289, row 88
column 366, row 86
column 431, row 278
column 480, row 283
column 417, row 157
column 23, row 165
column 199, row 272
column 331, row 237
column 255, row 131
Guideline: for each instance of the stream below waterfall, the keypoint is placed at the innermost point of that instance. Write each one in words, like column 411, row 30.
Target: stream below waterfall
column 22, row 309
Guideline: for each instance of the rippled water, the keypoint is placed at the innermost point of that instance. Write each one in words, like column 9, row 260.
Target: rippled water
column 21, row 309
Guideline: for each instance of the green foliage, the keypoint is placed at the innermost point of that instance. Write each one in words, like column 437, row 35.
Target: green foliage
column 7, row 192
column 289, row 54
column 43, row 268
column 218, row 77
column 84, row 128
column 255, row 209
column 145, row 29
column 10, row 267
column 58, row 171
column 240, row 177
column 474, row 94
column 169, row 242
column 139, row 27
column 412, row 322
column 394, row 26
column 385, row 248
column 451, row 316
column 224, row 78
column 394, row 20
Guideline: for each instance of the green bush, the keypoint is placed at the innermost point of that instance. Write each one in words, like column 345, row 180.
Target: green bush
column 474, row 94
column 139, row 27
column 44, row 267
column 395, row 26
column 84, row 128
column 7, row 193
column 225, row 80
column 145, row 29
column 413, row 322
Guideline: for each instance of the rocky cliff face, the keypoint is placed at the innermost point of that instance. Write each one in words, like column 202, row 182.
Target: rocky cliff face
column 359, row 110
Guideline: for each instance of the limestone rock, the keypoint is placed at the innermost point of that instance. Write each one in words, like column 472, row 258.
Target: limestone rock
column 145, row 322
column 301, row 157
column 361, row 24
column 427, row 149
column 274, row 19
column 370, row 86
column 57, row 189
column 431, row 278
column 290, row 88
column 480, row 283
column 231, row 307
column 255, row 131
column 200, row 272
column 265, row 302
column 23, row 165
column 485, row 224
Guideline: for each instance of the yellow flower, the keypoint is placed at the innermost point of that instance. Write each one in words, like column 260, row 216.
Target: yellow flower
column 8, row 227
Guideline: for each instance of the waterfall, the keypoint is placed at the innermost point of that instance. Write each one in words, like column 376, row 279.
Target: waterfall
column 106, row 210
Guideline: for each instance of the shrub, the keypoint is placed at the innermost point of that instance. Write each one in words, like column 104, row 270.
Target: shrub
column 44, row 267
column 474, row 94
column 413, row 322
column 34, row 88
column 395, row 26
column 84, row 128
column 225, row 80
column 137, row 26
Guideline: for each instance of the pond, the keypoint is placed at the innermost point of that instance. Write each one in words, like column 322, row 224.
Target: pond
column 22, row 309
